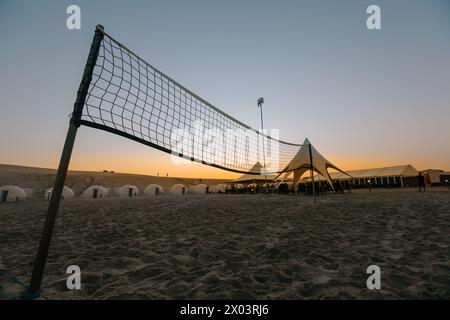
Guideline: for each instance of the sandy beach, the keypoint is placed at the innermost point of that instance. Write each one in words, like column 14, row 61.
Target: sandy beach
column 238, row 246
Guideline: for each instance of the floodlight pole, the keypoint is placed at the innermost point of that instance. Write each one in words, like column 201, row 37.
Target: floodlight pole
column 260, row 103
column 312, row 174
column 44, row 245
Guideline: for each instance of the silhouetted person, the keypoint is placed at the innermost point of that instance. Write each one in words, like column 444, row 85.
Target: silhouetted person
column 283, row 188
column 421, row 182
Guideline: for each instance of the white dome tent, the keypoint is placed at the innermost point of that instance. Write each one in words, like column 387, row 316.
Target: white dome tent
column 198, row 189
column 95, row 192
column 128, row 191
column 153, row 190
column 12, row 194
column 219, row 188
column 178, row 189
column 67, row 194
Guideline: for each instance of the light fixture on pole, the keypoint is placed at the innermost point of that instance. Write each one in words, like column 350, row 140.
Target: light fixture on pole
column 260, row 103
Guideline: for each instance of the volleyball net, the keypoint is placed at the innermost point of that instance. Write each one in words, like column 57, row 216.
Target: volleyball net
column 130, row 97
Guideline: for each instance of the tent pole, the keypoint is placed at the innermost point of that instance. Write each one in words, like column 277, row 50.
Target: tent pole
column 312, row 173
column 44, row 245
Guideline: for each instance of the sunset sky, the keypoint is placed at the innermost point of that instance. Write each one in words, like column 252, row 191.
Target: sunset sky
column 364, row 98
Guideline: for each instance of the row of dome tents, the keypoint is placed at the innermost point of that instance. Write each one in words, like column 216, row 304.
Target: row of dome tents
column 15, row 193
column 151, row 190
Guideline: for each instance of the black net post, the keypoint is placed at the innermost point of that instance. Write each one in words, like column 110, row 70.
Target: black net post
column 44, row 245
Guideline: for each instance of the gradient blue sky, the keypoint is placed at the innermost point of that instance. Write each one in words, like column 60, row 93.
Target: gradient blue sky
column 364, row 98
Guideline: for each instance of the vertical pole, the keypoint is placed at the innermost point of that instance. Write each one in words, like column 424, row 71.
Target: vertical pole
column 264, row 147
column 260, row 105
column 312, row 174
column 44, row 245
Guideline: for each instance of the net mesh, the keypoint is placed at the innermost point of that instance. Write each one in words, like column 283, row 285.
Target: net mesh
column 129, row 97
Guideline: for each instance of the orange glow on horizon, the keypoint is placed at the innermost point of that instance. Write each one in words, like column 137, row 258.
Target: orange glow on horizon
column 198, row 170
column 145, row 164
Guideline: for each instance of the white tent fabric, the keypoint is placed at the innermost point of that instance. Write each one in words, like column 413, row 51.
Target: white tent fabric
column 67, row 193
column 255, row 177
column 198, row 189
column 301, row 163
column 95, row 192
column 178, row 189
column 12, row 194
column 219, row 188
column 127, row 191
column 153, row 190
column 406, row 170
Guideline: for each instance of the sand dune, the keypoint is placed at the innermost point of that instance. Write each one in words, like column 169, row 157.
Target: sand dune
column 238, row 246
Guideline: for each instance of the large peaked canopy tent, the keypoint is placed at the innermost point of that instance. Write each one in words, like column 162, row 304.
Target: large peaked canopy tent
column 301, row 163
